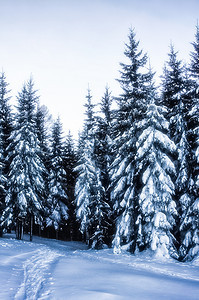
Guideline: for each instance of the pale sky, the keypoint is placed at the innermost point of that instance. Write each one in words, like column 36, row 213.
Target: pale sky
column 68, row 44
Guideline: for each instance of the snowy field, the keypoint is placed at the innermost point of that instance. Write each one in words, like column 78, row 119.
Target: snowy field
column 50, row 269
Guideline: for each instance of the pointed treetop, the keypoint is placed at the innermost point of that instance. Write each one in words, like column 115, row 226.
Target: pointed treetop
column 194, row 65
column 131, row 50
column 89, row 121
column 3, row 87
column 106, row 102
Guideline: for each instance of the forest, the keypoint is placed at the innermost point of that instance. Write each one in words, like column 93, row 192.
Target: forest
column 131, row 182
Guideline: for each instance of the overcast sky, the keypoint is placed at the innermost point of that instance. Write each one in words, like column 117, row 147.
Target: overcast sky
column 68, row 44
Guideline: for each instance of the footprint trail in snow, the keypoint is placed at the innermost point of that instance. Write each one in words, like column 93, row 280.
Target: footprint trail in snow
column 36, row 274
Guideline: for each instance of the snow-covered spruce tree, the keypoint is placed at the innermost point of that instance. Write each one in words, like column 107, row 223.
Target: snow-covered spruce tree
column 25, row 180
column 6, row 117
column 103, row 154
column 194, row 67
column 194, row 113
column 86, row 170
column 156, row 170
column 184, row 182
column 70, row 161
column 2, row 183
column 58, row 185
column 104, row 140
column 173, row 84
column 91, row 207
column 190, row 225
column 176, row 97
column 43, row 127
column 43, row 122
column 57, row 182
column 131, row 109
column 5, row 132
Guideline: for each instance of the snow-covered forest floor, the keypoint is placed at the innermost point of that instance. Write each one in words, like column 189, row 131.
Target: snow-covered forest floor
column 51, row 269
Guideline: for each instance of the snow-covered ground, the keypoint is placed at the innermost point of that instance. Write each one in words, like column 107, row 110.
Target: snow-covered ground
column 50, row 269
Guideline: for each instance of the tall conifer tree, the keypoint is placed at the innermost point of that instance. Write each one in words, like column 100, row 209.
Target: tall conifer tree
column 86, row 170
column 156, row 169
column 57, row 182
column 91, row 208
column 190, row 225
column 175, row 94
column 70, row 162
column 103, row 155
column 6, row 117
column 5, row 133
column 25, row 180
column 131, row 108
column 2, row 183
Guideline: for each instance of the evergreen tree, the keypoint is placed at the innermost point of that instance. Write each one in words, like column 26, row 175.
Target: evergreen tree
column 194, row 67
column 103, row 157
column 57, row 182
column 104, row 141
column 176, row 96
column 70, row 161
column 6, row 118
column 25, row 180
column 156, row 169
column 103, row 154
column 194, row 112
column 86, row 170
column 184, row 180
column 2, row 183
column 172, row 90
column 91, row 208
column 5, row 133
column 43, row 122
column 131, row 108
column 43, row 127
column 190, row 225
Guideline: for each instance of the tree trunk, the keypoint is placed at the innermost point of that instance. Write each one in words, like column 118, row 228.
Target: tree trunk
column 1, row 231
column 22, row 229
column 39, row 230
column 19, row 229
column 31, row 227
column 87, row 237
column 57, row 234
column 71, row 234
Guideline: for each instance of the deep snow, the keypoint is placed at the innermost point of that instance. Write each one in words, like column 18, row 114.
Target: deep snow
column 50, row 269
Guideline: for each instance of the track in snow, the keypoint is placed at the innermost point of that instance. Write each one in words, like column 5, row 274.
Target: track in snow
column 36, row 274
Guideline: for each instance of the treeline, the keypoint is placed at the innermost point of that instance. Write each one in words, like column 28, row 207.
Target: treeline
column 133, row 180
